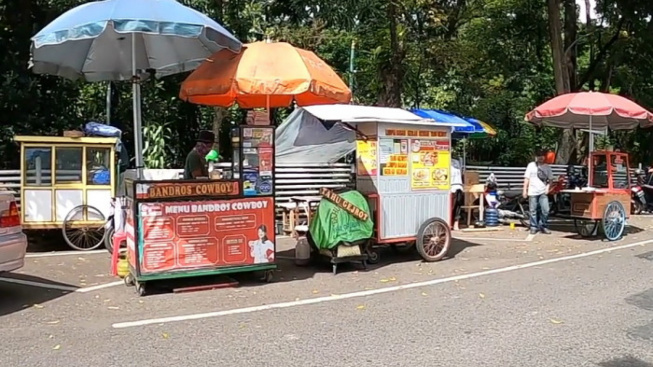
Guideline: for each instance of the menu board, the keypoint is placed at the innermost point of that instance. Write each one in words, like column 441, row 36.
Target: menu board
column 430, row 161
column 393, row 157
column 257, row 161
column 179, row 236
column 366, row 158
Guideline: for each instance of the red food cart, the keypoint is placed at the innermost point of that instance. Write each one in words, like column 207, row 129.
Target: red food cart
column 605, row 204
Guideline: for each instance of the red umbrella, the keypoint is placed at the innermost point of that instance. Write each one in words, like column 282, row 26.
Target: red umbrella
column 590, row 110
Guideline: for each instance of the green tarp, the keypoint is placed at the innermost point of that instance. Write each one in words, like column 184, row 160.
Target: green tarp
column 332, row 224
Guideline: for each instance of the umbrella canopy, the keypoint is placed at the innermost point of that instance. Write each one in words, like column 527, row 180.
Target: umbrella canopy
column 590, row 110
column 440, row 117
column 127, row 39
column 265, row 74
column 467, row 127
column 100, row 40
column 481, row 129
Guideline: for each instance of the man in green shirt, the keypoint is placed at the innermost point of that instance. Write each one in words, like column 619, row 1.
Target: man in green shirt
column 195, row 166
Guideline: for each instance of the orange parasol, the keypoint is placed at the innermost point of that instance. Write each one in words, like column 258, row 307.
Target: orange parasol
column 264, row 75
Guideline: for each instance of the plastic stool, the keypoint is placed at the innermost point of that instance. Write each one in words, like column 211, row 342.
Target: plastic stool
column 117, row 241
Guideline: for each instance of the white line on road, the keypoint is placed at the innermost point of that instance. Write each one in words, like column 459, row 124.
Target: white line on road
column 98, row 287
column 66, row 253
column 122, row 325
column 528, row 238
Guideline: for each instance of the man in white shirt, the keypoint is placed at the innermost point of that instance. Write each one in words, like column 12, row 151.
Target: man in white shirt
column 457, row 191
column 537, row 178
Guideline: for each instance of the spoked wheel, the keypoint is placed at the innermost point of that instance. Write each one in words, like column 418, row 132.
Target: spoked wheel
column 83, row 228
column 433, row 239
column 586, row 228
column 614, row 221
column 108, row 239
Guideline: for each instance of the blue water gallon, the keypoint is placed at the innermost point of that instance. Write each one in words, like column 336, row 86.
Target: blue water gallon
column 491, row 217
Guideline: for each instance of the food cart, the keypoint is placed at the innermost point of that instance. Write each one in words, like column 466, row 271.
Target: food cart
column 605, row 203
column 402, row 167
column 190, row 228
column 68, row 183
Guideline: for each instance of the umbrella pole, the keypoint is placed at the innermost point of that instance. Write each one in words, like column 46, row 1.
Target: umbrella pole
column 136, row 96
column 589, row 155
column 267, row 107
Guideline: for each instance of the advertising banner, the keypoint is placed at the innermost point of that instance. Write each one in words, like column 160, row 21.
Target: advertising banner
column 190, row 235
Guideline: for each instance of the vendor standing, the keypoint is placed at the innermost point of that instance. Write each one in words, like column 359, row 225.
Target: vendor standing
column 195, row 166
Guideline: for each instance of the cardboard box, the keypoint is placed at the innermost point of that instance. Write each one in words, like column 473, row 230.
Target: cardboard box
column 470, row 178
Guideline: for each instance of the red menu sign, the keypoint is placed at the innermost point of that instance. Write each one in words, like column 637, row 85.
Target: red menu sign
column 205, row 234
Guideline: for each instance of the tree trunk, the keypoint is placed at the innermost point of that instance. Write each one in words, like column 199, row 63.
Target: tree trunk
column 392, row 74
column 570, row 41
column 561, row 75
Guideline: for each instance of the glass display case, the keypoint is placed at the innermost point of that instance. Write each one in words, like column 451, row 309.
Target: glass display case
column 253, row 159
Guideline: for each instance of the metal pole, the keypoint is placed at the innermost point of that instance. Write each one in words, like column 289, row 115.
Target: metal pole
column 138, row 134
column 352, row 70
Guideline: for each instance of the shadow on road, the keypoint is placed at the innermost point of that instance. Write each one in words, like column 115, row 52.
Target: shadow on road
column 288, row 271
column 46, row 241
column 572, row 227
column 625, row 361
column 16, row 297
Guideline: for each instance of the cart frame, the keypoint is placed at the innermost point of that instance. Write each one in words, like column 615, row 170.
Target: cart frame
column 606, row 208
column 51, row 200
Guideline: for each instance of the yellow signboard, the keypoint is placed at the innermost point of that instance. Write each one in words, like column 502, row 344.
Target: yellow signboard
column 430, row 161
column 366, row 158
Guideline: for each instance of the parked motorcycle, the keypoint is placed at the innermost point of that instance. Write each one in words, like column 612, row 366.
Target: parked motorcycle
column 509, row 203
column 642, row 192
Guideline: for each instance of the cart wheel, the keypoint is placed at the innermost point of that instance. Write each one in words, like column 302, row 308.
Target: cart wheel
column 614, row 221
column 373, row 256
column 83, row 228
column 433, row 239
column 140, row 289
column 129, row 280
column 586, row 228
column 108, row 239
column 403, row 248
column 268, row 276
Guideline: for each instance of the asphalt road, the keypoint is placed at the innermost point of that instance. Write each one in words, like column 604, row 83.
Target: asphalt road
column 589, row 311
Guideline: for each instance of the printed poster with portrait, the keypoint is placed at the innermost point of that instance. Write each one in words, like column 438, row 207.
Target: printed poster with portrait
column 430, row 161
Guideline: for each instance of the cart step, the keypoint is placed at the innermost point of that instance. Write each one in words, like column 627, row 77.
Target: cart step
column 222, row 283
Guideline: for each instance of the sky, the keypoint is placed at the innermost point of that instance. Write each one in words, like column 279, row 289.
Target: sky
column 581, row 13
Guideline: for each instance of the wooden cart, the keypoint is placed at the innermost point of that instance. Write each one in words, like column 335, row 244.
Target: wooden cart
column 68, row 183
column 603, row 206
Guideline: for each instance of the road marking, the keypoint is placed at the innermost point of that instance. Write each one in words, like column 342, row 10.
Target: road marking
column 66, row 253
column 66, row 288
column 372, row 292
column 98, row 287
column 528, row 238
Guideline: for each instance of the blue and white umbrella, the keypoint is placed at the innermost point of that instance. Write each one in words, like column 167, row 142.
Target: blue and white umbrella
column 128, row 40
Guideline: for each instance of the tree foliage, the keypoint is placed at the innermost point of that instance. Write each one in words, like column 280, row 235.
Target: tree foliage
column 491, row 59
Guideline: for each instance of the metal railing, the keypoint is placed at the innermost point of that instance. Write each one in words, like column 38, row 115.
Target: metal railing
column 291, row 180
column 306, row 180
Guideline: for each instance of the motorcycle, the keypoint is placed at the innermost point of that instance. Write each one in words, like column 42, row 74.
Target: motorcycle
column 642, row 192
column 509, row 203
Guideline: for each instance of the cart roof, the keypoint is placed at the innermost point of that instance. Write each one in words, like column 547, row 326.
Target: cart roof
column 38, row 139
column 312, row 135
column 352, row 114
